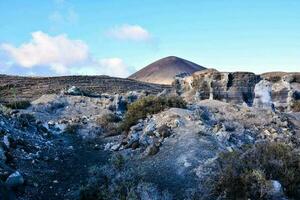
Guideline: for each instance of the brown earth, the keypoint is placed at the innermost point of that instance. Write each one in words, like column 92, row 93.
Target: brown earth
column 164, row 70
column 14, row 88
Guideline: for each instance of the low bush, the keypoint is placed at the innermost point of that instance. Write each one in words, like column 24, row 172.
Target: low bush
column 148, row 105
column 18, row 104
column 4, row 110
column 72, row 128
column 107, row 118
column 246, row 174
column 296, row 106
column 117, row 180
column 109, row 122
column 25, row 120
column 118, row 161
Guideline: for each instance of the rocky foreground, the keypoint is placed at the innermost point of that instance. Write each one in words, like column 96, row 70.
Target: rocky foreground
column 72, row 145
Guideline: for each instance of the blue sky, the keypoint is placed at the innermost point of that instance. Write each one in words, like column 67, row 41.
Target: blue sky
column 117, row 37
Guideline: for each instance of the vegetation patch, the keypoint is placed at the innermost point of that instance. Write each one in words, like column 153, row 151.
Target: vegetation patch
column 117, row 180
column 110, row 123
column 148, row 106
column 25, row 120
column 18, row 104
column 296, row 106
column 246, row 174
column 72, row 128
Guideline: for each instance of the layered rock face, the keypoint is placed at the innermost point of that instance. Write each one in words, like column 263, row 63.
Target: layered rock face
column 270, row 90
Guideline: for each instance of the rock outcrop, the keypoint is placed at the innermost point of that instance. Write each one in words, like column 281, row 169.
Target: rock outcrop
column 271, row 90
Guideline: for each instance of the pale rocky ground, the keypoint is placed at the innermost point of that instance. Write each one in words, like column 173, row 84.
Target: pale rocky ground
column 186, row 159
column 173, row 153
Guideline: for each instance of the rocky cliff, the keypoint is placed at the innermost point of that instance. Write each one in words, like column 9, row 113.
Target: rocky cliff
column 277, row 90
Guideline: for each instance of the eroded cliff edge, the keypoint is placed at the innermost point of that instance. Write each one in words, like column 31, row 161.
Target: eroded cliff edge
column 276, row 90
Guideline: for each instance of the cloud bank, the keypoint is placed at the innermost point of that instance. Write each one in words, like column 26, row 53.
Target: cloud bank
column 130, row 32
column 62, row 56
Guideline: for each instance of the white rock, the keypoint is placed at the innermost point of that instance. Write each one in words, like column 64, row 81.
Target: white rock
column 263, row 91
column 15, row 179
column 6, row 141
column 276, row 187
column 115, row 147
column 74, row 91
column 150, row 128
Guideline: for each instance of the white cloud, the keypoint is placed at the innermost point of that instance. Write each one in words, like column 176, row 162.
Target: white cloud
column 114, row 66
column 62, row 15
column 59, row 2
column 68, row 16
column 107, row 66
column 130, row 32
column 47, row 50
column 59, row 68
column 61, row 55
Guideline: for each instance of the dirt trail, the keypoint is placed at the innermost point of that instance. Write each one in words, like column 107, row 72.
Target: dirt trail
column 65, row 175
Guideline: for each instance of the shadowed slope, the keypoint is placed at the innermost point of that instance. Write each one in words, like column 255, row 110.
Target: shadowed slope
column 30, row 88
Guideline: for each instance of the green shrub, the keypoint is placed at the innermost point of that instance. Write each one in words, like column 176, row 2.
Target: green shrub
column 26, row 119
column 72, row 128
column 107, row 118
column 296, row 106
column 149, row 105
column 111, row 181
column 109, row 122
column 18, row 104
column 106, row 182
column 244, row 174
column 118, row 161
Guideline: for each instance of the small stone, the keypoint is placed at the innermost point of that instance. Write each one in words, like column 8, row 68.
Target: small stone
column 108, row 146
column 70, row 148
column 73, row 91
column 96, row 147
column 135, row 145
column 15, row 179
column 164, row 131
column 137, row 127
column 151, row 150
column 178, row 122
column 267, row 132
column 6, row 141
column 230, row 149
column 115, row 147
column 149, row 128
column 275, row 190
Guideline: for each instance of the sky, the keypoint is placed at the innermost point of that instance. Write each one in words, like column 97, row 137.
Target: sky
column 118, row 37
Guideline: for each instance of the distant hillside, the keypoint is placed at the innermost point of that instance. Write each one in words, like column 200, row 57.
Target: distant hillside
column 164, row 70
column 18, row 87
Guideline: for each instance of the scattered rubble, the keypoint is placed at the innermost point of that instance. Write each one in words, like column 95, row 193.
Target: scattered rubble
column 176, row 150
